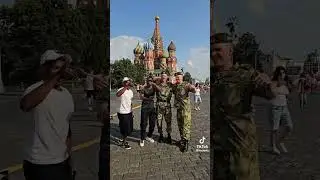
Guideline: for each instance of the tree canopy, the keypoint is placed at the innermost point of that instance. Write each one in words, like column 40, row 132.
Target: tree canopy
column 187, row 77
column 40, row 25
column 125, row 68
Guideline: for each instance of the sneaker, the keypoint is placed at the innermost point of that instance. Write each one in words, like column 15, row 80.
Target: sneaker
column 161, row 139
column 283, row 147
column 150, row 139
column 127, row 146
column 141, row 143
column 198, row 108
column 275, row 150
column 169, row 140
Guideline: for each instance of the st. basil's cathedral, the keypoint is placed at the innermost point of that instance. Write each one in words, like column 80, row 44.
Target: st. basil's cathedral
column 153, row 56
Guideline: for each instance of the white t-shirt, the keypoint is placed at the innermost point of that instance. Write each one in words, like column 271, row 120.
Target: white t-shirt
column 89, row 83
column 197, row 92
column 125, row 101
column 47, row 143
column 280, row 98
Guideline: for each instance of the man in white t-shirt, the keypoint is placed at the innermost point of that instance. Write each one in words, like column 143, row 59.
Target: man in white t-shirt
column 125, row 115
column 52, row 106
column 89, row 88
column 49, row 146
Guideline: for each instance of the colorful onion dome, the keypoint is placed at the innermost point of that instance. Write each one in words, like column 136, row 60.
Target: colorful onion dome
column 165, row 54
column 171, row 47
column 138, row 49
column 148, row 46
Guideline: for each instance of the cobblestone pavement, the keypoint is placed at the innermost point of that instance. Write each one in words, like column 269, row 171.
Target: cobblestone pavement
column 163, row 161
column 302, row 160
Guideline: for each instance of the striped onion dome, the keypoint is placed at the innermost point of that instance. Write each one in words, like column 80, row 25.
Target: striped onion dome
column 171, row 46
column 148, row 46
column 138, row 49
column 165, row 54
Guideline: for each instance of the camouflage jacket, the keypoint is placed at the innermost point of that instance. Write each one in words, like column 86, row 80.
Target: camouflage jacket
column 231, row 106
column 164, row 96
column 181, row 95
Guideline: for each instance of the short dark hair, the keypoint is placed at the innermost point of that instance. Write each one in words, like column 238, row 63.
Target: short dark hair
column 163, row 72
column 178, row 73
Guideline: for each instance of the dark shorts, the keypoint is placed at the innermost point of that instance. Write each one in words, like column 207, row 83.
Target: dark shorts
column 90, row 93
column 125, row 124
column 61, row 171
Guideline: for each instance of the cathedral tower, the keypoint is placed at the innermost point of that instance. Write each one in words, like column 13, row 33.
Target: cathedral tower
column 138, row 52
column 157, row 39
column 149, row 57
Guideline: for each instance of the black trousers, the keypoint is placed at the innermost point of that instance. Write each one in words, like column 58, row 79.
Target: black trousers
column 60, row 171
column 125, row 124
column 147, row 114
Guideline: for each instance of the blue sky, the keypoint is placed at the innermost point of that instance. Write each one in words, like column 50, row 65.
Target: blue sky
column 186, row 22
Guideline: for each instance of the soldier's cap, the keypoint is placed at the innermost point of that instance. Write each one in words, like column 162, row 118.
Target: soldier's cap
column 178, row 73
column 221, row 38
column 149, row 78
column 163, row 72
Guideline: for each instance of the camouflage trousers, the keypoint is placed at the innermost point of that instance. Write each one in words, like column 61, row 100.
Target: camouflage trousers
column 164, row 113
column 235, row 157
column 235, row 166
column 184, row 122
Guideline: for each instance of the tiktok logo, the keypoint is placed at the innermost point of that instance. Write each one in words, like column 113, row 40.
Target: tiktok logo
column 202, row 147
column 201, row 141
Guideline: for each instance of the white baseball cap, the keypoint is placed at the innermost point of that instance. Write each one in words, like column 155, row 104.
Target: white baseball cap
column 52, row 55
column 125, row 79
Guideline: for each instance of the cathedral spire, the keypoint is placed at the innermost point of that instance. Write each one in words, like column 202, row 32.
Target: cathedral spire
column 156, row 38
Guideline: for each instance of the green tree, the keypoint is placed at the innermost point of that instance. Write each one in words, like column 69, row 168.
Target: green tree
column 41, row 25
column 207, row 81
column 187, row 77
column 125, row 68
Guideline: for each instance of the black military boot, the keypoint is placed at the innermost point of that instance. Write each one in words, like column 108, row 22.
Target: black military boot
column 169, row 140
column 183, row 147
column 161, row 138
column 186, row 145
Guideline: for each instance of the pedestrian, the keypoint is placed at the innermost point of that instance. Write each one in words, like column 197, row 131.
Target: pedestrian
column 197, row 97
column 181, row 92
column 279, row 110
column 303, row 89
column 52, row 106
column 163, row 107
column 89, row 88
column 234, row 130
column 48, row 149
column 148, row 113
column 125, row 113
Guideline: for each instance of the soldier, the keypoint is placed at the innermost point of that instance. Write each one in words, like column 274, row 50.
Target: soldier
column 163, row 106
column 182, row 102
column 235, row 138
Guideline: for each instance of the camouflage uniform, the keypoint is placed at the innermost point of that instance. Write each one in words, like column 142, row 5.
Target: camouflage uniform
column 235, row 138
column 183, row 105
column 163, row 107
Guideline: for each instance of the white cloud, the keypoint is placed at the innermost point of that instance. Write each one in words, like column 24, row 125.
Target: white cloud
column 198, row 64
column 257, row 6
column 122, row 47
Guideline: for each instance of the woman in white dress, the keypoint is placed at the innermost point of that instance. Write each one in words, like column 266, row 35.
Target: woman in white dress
column 197, row 97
